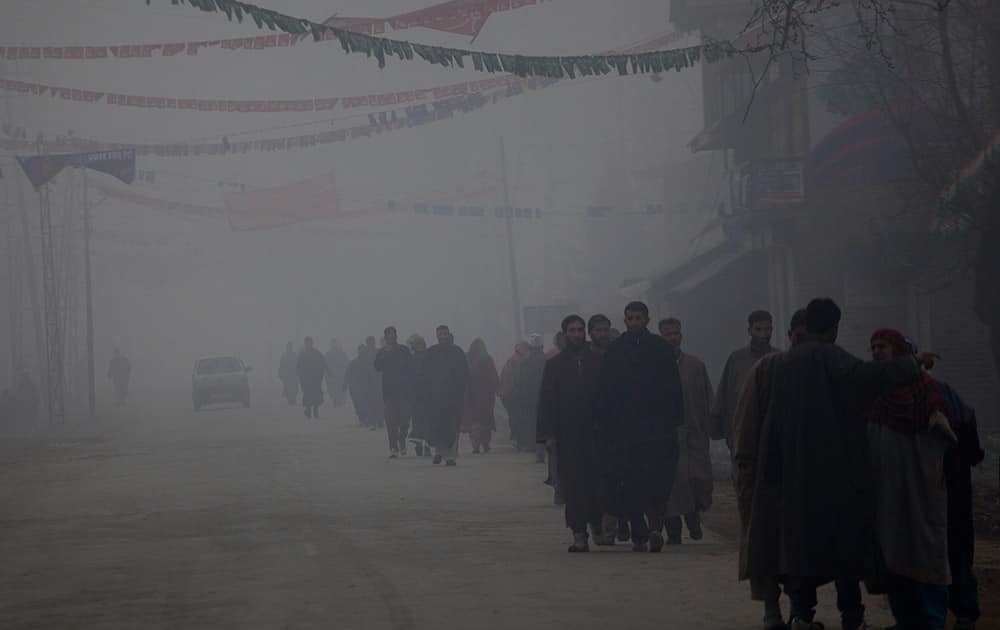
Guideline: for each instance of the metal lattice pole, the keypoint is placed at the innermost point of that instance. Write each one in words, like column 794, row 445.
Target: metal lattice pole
column 53, row 328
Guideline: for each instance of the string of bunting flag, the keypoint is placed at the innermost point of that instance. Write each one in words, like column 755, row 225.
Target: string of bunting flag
column 378, row 123
column 460, row 17
column 553, row 67
column 317, row 104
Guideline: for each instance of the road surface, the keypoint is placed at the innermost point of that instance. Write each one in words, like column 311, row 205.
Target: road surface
column 260, row 518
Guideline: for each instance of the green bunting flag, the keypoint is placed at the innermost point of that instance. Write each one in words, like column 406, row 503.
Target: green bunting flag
column 523, row 66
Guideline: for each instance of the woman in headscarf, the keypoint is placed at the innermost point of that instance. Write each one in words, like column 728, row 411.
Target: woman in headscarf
column 908, row 435
column 480, row 397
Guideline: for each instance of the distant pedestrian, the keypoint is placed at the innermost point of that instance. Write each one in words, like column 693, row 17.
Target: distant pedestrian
column 419, row 421
column 393, row 363
column 441, row 386
column 336, row 367
column 478, row 419
column 119, row 371
column 529, row 384
column 310, row 369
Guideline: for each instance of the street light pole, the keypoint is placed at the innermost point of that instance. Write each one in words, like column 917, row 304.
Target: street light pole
column 512, row 263
column 91, row 395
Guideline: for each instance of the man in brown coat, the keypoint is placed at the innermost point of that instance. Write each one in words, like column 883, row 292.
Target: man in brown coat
column 757, row 501
column 692, row 491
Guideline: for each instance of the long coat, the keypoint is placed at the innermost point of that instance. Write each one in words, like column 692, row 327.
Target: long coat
column 758, row 502
column 527, row 386
column 441, row 385
column 481, row 396
column 565, row 414
column 310, row 368
column 638, row 407
column 724, row 407
column 818, row 456
column 692, row 491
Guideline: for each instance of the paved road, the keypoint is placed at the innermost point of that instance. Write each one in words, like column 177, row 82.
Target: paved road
column 260, row 518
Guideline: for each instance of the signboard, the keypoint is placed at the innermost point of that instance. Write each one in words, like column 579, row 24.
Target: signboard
column 771, row 182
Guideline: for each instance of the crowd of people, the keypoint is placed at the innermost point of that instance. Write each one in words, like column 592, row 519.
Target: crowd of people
column 846, row 471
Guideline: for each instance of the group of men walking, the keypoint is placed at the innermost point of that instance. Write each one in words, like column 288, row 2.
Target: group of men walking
column 837, row 462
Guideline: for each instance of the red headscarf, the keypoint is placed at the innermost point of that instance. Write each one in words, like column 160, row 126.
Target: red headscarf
column 906, row 409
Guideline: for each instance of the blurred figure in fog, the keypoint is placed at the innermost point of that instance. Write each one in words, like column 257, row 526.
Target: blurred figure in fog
column 760, row 327
column 26, row 399
column 311, row 368
column 393, row 362
column 372, row 384
column 507, row 388
column 529, row 384
column 118, row 371
column 480, row 398
column 418, row 430
column 336, row 367
column 692, row 491
column 441, row 386
column 354, row 383
column 287, row 374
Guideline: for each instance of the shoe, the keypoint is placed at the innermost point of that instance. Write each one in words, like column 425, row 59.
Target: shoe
column 640, row 546
column 307, row 412
column 776, row 623
column 696, row 532
column 579, row 544
column 802, row 624
column 624, row 534
column 437, row 459
column 655, row 542
column 604, row 540
column 450, row 462
column 393, row 455
column 486, row 449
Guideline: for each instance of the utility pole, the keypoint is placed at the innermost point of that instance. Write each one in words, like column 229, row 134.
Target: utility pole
column 91, row 395
column 512, row 263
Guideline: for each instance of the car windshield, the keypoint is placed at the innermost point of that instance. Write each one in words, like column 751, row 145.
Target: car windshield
column 221, row 365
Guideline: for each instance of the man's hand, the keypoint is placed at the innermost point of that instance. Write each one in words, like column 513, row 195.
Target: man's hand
column 938, row 422
column 926, row 359
column 550, row 445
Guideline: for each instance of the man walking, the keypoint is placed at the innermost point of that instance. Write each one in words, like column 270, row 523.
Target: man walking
column 119, row 371
column 692, row 490
column 310, row 368
column 758, row 502
column 638, row 409
column 393, row 362
column 441, row 386
column 760, row 328
column 566, row 428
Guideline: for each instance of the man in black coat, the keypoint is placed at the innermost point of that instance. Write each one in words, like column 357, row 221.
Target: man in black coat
column 566, row 428
column 441, row 384
column 637, row 411
column 393, row 362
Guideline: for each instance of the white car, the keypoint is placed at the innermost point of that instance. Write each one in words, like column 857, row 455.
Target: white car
column 217, row 379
